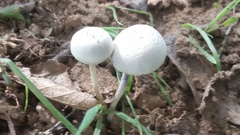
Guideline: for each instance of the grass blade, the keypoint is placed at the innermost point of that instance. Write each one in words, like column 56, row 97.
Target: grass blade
column 99, row 126
column 134, row 114
column 11, row 12
column 123, row 121
column 26, row 100
column 112, row 30
column 139, row 12
column 230, row 21
column 88, row 118
column 220, row 15
column 131, row 106
column 132, row 121
column 205, row 53
column 119, row 75
column 162, row 89
column 129, row 84
column 126, row 118
column 208, row 41
column 214, row 27
column 225, row 38
column 112, row 33
column 5, row 75
column 163, row 81
column 39, row 95
column 114, row 14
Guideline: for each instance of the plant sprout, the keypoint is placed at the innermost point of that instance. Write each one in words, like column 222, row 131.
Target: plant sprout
column 214, row 58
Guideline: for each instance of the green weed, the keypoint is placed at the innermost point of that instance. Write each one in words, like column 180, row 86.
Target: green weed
column 113, row 8
column 213, row 25
column 9, row 83
column 38, row 94
column 100, row 111
column 88, row 118
column 11, row 12
column 162, row 89
column 26, row 100
column 214, row 58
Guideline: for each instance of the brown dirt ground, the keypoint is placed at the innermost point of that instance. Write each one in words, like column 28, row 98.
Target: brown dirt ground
column 205, row 102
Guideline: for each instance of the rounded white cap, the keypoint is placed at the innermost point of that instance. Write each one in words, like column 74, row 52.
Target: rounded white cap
column 138, row 50
column 91, row 45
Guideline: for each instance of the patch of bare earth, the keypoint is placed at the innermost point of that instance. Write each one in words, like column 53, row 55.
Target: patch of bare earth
column 205, row 102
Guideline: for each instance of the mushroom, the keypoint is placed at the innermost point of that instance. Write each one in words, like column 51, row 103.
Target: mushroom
column 138, row 50
column 92, row 45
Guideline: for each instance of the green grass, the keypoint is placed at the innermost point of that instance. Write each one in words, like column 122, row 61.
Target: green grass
column 26, row 100
column 128, row 88
column 205, row 36
column 99, row 126
column 204, row 52
column 113, row 8
column 136, row 123
column 100, row 111
column 162, row 89
column 5, row 75
column 217, row 4
column 11, row 12
column 214, row 58
column 132, row 121
column 88, row 118
column 213, row 24
column 140, row 130
column 8, row 81
column 123, row 121
column 114, row 14
column 113, row 30
column 38, row 94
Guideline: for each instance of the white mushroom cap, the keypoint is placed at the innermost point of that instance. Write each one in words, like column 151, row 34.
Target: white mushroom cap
column 139, row 49
column 91, row 45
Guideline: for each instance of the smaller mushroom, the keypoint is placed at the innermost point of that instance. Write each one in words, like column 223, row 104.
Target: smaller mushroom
column 92, row 45
column 138, row 50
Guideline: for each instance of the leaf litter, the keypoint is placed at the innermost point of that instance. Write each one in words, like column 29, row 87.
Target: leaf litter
column 52, row 79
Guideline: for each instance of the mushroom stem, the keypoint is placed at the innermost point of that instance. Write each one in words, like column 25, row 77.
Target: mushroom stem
column 93, row 74
column 120, row 91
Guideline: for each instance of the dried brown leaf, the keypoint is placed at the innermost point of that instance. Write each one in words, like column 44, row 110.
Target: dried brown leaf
column 52, row 79
column 64, row 95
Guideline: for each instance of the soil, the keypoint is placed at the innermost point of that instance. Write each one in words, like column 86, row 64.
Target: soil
column 205, row 101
